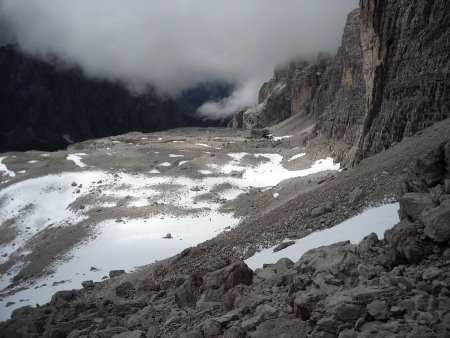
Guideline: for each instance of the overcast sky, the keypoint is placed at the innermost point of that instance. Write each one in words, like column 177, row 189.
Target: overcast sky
column 176, row 44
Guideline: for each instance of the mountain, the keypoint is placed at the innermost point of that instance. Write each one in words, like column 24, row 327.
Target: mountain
column 251, row 236
column 388, row 80
column 49, row 105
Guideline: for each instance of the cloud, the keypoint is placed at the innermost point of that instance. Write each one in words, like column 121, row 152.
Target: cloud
column 177, row 44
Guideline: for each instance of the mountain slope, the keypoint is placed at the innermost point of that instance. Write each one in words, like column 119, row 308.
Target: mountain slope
column 389, row 79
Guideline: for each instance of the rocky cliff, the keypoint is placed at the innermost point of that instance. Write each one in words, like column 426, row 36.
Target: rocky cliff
column 389, row 79
column 48, row 105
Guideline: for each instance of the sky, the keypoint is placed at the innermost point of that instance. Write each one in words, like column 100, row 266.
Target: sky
column 178, row 44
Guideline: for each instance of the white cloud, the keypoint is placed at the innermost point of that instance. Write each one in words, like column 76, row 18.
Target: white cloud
column 177, row 44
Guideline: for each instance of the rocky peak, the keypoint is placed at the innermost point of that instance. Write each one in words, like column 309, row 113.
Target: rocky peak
column 388, row 80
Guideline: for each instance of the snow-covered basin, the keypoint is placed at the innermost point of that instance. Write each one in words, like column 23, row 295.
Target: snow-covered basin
column 377, row 220
column 132, row 242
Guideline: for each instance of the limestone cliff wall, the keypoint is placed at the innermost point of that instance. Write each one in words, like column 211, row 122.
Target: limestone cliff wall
column 389, row 79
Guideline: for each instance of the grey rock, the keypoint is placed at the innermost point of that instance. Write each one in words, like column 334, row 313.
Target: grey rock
column 355, row 195
column 283, row 245
column 378, row 310
column 88, row 284
column 234, row 332
column 348, row 312
column 211, row 328
column 131, row 334
column 187, row 293
column 251, row 323
column 116, row 273
column 125, row 290
column 413, row 204
column 282, row 328
column 437, row 222
column 431, row 273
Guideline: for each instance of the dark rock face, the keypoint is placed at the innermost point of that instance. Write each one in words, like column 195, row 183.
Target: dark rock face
column 406, row 69
column 389, row 79
column 48, row 105
column 44, row 105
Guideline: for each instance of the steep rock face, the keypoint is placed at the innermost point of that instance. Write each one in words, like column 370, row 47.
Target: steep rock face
column 46, row 106
column 389, row 80
column 406, row 69
column 339, row 102
column 289, row 92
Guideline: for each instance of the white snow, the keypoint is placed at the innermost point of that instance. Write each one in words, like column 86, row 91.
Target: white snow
column 131, row 242
column 41, row 202
column 175, row 155
column 178, row 141
column 205, row 172
column 275, row 195
column 279, row 138
column 33, row 161
column 3, row 168
column 271, row 172
column 22, row 171
column 203, row 145
column 296, row 157
column 45, row 155
column 164, row 164
column 182, row 162
column 76, row 158
column 377, row 220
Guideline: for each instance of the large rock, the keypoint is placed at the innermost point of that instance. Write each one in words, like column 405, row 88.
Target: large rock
column 378, row 310
column 413, row 204
column 405, row 244
column 437, row 222
column 282, row 328
column 186, row 294
column 226, row 278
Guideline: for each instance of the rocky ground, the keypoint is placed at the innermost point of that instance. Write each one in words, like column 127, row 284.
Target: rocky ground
column 391, row 287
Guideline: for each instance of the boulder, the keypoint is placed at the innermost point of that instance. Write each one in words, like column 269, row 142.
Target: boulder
column 228, row 277
column 88, row 284
column 378, row 310
column 125, row 290
column 211, row 328
column 116, row 273
column 413, row 204
column 131, row 334
column 405, row 244
column 187, row 293
column 437, row 222
column 355, row 195
column 283, row 245
column 281, row 327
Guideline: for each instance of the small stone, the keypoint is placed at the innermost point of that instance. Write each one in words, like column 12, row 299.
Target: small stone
column 74, row 184
column 168, row 236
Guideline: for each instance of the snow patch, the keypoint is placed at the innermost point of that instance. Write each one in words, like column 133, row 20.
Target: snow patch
column 377, row 220
column 164, row 164
column 76, row 158
column 296, row 157
column 5, row 170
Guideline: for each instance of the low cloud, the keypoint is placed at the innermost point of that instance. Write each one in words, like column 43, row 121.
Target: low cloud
column 178, row 44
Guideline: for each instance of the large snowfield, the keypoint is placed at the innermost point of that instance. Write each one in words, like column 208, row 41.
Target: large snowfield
column 45, row 202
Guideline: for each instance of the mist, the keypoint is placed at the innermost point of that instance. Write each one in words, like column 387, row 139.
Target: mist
column 178, row 44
